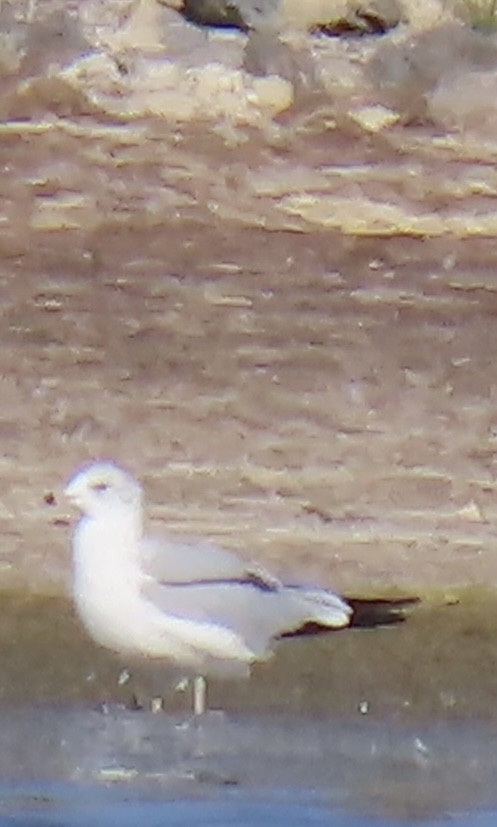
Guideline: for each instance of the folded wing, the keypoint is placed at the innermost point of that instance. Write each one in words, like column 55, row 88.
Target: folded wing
column 204, row 584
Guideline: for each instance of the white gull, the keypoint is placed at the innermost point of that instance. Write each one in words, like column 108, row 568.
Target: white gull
column 190, row 604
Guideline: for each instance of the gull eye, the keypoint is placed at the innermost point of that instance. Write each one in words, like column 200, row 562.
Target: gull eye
column 100, row 487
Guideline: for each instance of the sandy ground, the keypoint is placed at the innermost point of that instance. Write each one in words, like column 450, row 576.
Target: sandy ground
column 281, row 319
column 334, row 416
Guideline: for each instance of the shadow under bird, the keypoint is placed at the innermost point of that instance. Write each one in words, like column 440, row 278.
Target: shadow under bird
column 189, row 604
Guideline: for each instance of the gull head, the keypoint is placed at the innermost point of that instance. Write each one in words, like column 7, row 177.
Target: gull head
column 103, row 488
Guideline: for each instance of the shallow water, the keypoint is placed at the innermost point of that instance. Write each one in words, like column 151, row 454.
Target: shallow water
column 351, row 728
column 359, row 727
column 89, row 767
column 440, row 665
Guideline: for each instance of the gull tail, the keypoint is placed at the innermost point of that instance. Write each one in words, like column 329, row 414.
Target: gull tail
column 381, row 611
column 364, row 613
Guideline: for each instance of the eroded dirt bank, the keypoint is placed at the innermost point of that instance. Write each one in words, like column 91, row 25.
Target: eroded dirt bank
column 269, row 291
column 321, row 404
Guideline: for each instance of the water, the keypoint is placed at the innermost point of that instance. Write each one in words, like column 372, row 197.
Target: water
column 361, row 727
column 77, row 767
column 69, row 806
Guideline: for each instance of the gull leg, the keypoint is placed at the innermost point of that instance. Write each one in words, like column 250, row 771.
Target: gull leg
column 199, row 695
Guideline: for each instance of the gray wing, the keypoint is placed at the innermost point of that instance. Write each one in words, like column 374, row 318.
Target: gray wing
column 180, row 561
column 205, row 584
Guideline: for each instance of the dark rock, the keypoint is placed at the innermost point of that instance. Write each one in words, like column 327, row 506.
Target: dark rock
column 220, row 13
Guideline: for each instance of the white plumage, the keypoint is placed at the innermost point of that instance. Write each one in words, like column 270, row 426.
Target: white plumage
column 193, row 605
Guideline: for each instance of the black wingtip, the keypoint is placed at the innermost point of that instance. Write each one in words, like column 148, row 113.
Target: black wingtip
column 381, row 611
column 367, row 613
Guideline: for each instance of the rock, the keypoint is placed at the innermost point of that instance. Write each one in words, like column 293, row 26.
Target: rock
column 236, row 14
column 342, row 17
